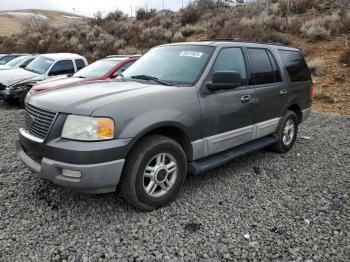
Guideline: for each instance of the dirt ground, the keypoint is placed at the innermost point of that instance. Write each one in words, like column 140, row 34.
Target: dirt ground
column 333, row 89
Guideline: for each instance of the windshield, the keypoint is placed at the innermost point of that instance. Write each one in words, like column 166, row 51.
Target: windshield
column 39, row 65
column 97, row 68
column 182, row 64
column 17, row 61
column 7, row 59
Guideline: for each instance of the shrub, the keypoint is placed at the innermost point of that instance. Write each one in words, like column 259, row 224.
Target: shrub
column 316, row 67
column 142, row 14
column 190, row 30
column 33, row 24
column 294, row 25
column 116, row 16
column 178, row 37
column 189, row 15
column 315, row 29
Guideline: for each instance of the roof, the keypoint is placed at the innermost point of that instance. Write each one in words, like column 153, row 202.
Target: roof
column 61, row 56
column 120, row 57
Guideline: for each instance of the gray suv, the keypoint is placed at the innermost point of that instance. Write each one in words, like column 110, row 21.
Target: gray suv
column 185, row 107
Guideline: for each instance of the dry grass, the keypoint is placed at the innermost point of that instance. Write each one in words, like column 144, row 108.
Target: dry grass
column 10, row 25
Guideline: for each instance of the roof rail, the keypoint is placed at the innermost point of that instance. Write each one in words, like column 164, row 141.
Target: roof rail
column 240, row 40
column 122, row 56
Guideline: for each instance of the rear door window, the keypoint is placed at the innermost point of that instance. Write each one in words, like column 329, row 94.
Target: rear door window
column 295, row 65
column 231, row 59
column 80, row 63
column 261, row 66
column 63, row 67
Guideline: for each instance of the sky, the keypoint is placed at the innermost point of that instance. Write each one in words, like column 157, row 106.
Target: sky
column 90, row 7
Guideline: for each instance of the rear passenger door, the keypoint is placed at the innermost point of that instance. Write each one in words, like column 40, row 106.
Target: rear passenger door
column 270, row 93
column 227, row 117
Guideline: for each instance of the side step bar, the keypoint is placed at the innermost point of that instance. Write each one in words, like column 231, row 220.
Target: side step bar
column 202, row 165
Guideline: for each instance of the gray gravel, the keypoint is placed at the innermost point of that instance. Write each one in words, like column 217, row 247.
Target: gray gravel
column 262, row 207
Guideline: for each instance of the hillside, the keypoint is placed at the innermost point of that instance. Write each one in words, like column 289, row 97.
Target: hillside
column 320, row 28
column 12, row 21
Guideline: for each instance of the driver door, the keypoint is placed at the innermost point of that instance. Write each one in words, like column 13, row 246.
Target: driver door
column 228, row 115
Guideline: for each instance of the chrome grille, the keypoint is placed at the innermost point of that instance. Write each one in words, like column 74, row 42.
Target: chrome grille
column 38, row 121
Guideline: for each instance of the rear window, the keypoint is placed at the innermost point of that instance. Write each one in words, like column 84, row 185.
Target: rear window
column 295, row 65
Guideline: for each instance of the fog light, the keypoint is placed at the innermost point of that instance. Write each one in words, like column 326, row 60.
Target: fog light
column 71, row 173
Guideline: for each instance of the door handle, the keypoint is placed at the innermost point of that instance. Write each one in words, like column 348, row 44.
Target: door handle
column 245, row 99
column 284, row 92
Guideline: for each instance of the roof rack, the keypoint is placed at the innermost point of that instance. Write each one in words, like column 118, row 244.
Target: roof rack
column 122, row 56
column 240, row 40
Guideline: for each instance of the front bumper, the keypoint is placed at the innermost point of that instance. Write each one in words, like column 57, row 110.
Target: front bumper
column 96, row 176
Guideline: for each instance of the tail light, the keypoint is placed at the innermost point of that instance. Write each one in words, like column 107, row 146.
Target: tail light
column 312, row 91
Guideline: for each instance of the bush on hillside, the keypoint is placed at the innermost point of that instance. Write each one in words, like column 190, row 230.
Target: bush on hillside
column 142, row 14
column 189, row 15
column 316, row 67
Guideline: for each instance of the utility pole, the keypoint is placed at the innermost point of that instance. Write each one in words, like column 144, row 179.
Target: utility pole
column 287, row 13
column 163, row 5
column 131, row 11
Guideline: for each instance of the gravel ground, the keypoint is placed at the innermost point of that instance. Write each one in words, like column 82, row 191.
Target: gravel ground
column 262, row 207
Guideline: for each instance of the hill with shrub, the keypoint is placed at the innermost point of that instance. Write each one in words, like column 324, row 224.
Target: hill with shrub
column 320, row 28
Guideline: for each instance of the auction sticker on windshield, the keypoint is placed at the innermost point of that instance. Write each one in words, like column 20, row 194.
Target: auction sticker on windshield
column 191, row 54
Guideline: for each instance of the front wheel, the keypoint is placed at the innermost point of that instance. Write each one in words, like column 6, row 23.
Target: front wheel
column 287, row 133
column 154, row 173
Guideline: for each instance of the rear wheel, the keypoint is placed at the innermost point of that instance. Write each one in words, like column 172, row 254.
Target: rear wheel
column 287, row 133
column 154, row 173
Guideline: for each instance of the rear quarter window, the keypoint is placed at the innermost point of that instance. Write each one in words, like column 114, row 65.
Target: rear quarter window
column 295, row 65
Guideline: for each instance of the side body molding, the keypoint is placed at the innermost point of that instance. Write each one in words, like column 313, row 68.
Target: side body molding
column 214, row 144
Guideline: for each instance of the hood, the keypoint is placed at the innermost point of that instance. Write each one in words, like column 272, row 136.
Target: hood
column 84, row 99
column 58, row 82
column 5, row 67
column 17, row 75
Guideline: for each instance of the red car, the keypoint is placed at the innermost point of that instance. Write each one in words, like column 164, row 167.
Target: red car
column 106, row 68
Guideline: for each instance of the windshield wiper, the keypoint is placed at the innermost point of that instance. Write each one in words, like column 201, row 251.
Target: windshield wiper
column 152, row 78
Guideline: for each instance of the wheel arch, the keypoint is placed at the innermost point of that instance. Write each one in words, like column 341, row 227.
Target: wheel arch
column 168, row 129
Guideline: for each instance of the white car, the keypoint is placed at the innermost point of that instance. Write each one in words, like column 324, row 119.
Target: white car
column 19, row 62
column 15, row 83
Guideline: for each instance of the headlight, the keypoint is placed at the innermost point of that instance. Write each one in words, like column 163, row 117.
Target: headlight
column 88, row 128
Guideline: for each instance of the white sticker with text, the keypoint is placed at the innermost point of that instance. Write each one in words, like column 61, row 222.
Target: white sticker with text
column 191, row 54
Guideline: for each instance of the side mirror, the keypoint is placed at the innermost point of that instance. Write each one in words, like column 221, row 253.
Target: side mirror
column 22, row 66
column 115, row 75
column 224, row 80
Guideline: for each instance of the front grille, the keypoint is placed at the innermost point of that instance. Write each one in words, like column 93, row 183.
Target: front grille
column 38, row 121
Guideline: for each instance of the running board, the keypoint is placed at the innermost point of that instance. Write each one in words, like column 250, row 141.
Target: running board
column 202, row 165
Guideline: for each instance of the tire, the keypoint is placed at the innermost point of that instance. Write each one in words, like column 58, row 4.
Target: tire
column 159, row 185
column 286, row 134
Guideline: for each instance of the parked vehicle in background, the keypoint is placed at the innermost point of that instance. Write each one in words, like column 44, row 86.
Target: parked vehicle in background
column 184, row 106
column 19, row 62
column 7, row 58
column 16, row 83
column 106, row 68
column 2, row 55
